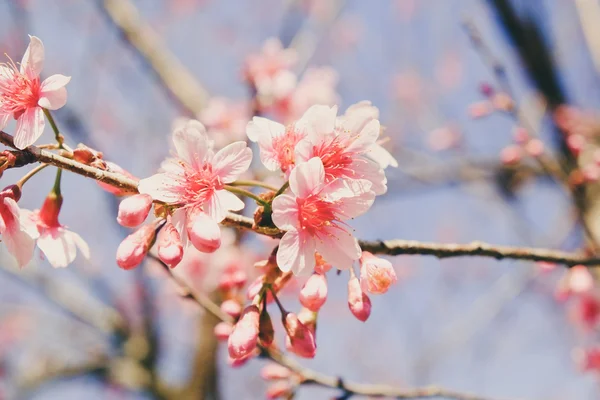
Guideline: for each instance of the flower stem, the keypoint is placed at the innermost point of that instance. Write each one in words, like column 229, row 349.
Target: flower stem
column 56, row 187
column 247, row 193
column 57, row 135
column 31, row 173
column 253, row 183
column 282, row 189
column 274, row 293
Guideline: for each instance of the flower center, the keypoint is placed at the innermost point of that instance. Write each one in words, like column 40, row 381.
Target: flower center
column 336, row 160
column 201, row 184
column 285, row 146
column 17, row 91
column 316, row 214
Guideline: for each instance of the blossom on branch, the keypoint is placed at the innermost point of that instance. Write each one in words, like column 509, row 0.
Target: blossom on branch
column 18, row 233
column 23, row 96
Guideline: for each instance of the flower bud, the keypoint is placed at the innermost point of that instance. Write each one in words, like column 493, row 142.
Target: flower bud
column 314, row 292
column 511, row 155
column 170, row 248
column 359, row 302
column 12, row 191
column 255, row 287
column 231, row 307
column 133, row 248
column 204, row 232
column 86, row 155
column 277, row 390
column 266, row 333
column 223, row 330
column 133, row 210
column 299, row 338
column 587, row 359
column 535, row 147
column 273, row 371
column 50, row 209
column 309, row 319
column 588, row 311
column 376, row 274
column 579, row 279
column 244, row 337
column 576, row 143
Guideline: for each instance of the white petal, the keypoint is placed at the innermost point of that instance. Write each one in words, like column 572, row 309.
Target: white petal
column 232, row 161
column 296, row 253
column 380, row 155
column 339, row 248
column 261, row 127
column 191, row 142
column 30, row 126
column 59, row 251
column 307, row 178
column 222, row 202
column 366, row 138
column 53, row 92
column 285, row 212
column 161, row 187
column 33, row 59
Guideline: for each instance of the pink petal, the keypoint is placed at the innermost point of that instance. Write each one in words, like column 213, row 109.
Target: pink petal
column 162, row 187
column 370, row 170
column 285, row 212
column 318, row 119
column 232, row 161
column 296, row 253
column 353, row 206
column 179, row 220
column 269, row 158
column 18, row 242
column 220, row 203
column 263, row 128
column 367, row 137
column 80, row 243
column 304, row 151
column 58, row 249
column 364, row 108
column 33, row 59
column 339, row 248
column 53, row 92
column 30, row 126
column 191, row 142
column 307, row 178
column 380, row 155
column 4, row 120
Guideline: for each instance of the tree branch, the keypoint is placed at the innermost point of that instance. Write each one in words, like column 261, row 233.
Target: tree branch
column 387, row 247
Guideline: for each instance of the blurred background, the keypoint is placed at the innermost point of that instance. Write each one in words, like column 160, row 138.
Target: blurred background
column 472, row 95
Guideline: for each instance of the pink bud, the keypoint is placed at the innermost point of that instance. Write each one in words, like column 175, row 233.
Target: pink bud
column 238, row 362
column 301, row 340
column 231, row 307
column 580, row 279
column 591, row 172
column 50, row 209
column 588, row 311
column 575, row 143
column 535, row 147
column 170, row 248
column 520, row 135
column 223, row 330
column 278, row 390
column 314, row 292
column 480, row 109
column 244, row 337
column 588, row 359
column 511, row 155
column 376, row 274
column 204, row 232
column 12, row 191
column 308, row 318
column 272, row 371
column 359, row 302
column 255, row 287
column 133, row 248
column 134, row 209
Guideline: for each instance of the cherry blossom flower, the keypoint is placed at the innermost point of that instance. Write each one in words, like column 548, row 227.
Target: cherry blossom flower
column 225, row 120
column 23, row 96
column 194, row 181
column 277, row 143
column 317, row 86
column 342, row 146
column 58, row 244
column 18, row 233
column 270, row 62
column 313, row 216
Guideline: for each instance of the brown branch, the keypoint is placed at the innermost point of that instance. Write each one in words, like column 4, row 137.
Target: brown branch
column 174, row 76
column 388, row 247
column 312, row 377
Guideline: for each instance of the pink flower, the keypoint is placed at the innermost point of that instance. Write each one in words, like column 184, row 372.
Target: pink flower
column 58, row 244
column 317, row 86
column 225, row 120
column 314, row 293
column 579, row 279
column 279, row 390
column 273, row 371
column 270, row 62
column 194, row 181
column 222, row 331
column 18, row 233
column 231, row 307
column 23, row 96
column 133, row 210
column 376, row 274
column 342, row 145
column 277, row 143
column 313, row 216
column 300, row 339
column 358, row 302
column 133, row 248
column 244, row 338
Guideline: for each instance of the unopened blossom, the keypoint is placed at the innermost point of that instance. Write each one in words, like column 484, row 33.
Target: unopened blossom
column 23, row 96
column 273, row 371
column 279, row 390
column 133, row 210
column 170, row 248
column 587, row 359
column 277, row 143
column 244, row 338
column 194, row 181
column 364, row 112
column 376, row 274
column 579, row 279
column 308, row 318
column 313, row 217
column 511, row 155
column 18, row 232
column 342, row 145
column 299, row 340
column 58, row 244
column 587, row 311
column 314, row 292
column 133, row 248
column 358, row 302
column 223, row 330
column 231, row 307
